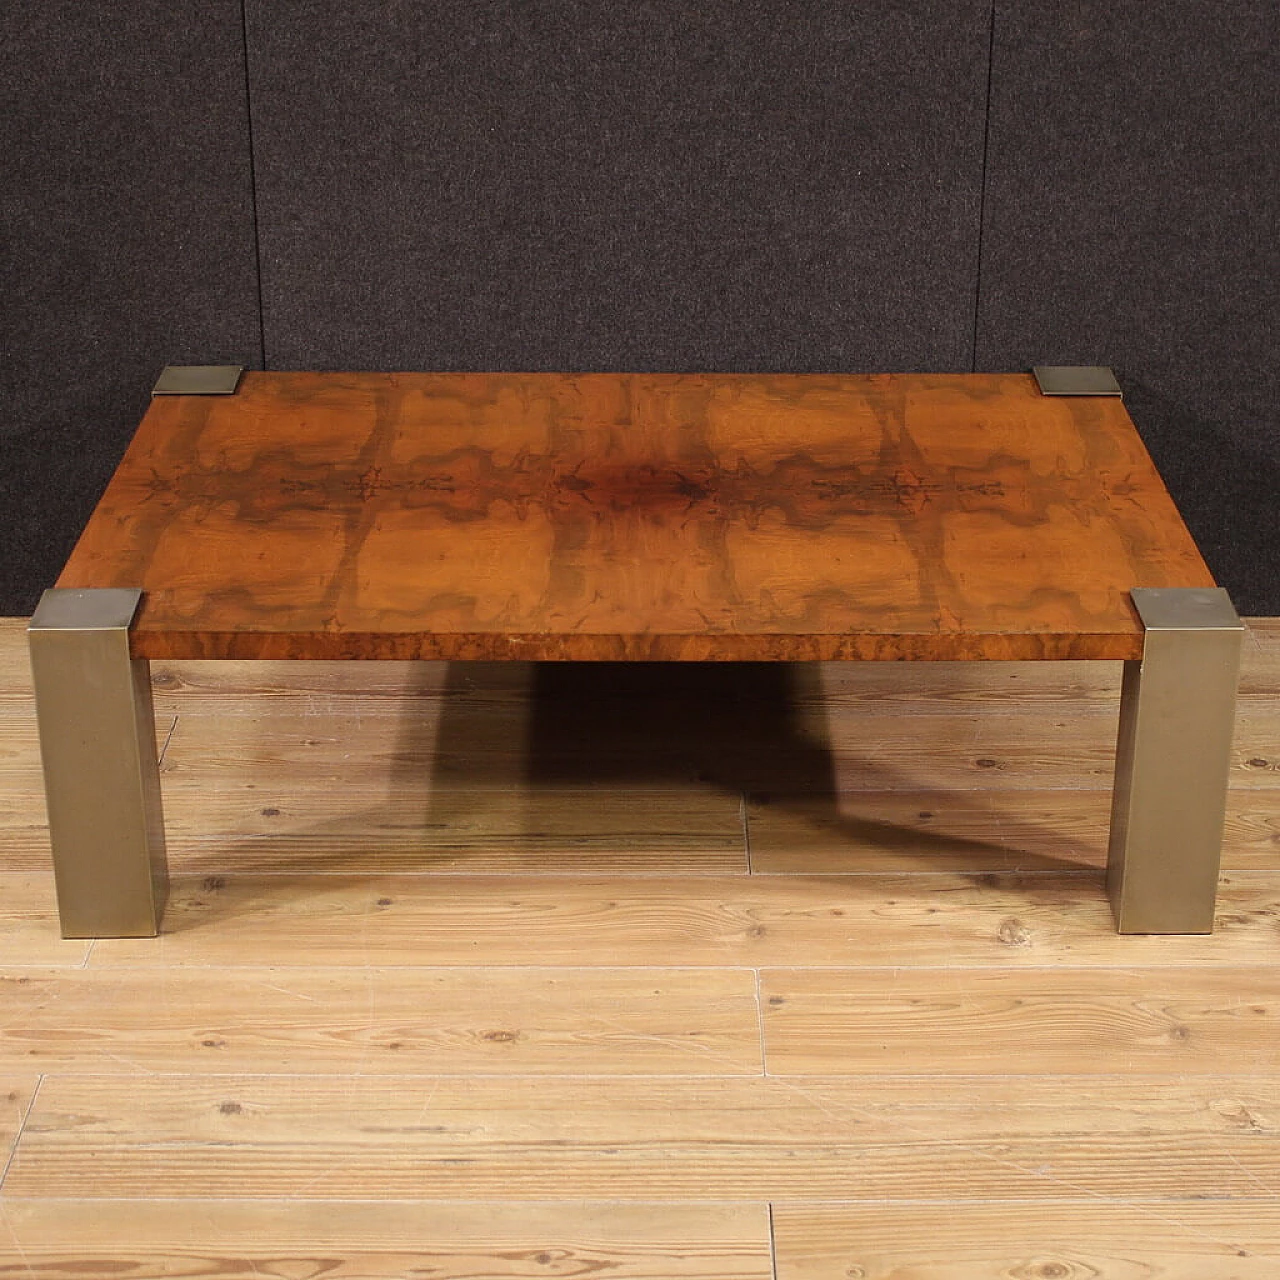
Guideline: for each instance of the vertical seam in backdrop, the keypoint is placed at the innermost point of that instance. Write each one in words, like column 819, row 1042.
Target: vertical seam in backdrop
column 253, row 183
column 982, row 191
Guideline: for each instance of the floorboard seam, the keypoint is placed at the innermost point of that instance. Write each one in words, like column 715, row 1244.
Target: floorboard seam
column 168, row 737
column 773, row 1245
column 764, row 1060
column 22, row 1127
column 253, row 185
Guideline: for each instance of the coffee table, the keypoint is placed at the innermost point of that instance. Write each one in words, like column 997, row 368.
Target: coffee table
column 635, row 517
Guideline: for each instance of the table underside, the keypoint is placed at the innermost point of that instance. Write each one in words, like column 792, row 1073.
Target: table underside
column 636, row 517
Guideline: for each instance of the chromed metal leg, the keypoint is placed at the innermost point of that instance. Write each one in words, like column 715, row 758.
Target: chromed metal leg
column 98, row 747
column 1177, row 711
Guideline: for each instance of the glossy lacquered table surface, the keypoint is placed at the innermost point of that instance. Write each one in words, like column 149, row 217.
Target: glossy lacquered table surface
column 636, row 516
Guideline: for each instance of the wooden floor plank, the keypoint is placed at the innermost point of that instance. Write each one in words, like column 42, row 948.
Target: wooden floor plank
column 880, row 832
column 491, row 746
column 864, row 1021
column 697, row 829
column 534, row 880
column 1260, row 659
column 934, row 688
column 17, row 1089
column 943, row 921
column 345, row 1240
column 20, row 755
column 1054, row 830
column 641, row 1138
column 619, row 830
column 29, row 922
column 1171, row 1240
column 464, row 830
column 1255, row 750
column 376, row 1021
column 15, row 666
column 483, row 831
column 221, row 688
column 20, row 773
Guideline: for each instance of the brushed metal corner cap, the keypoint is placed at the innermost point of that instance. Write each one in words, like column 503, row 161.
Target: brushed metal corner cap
column 87, row 609
column 198, row 380
column 1185, row 609
column 1076, row 380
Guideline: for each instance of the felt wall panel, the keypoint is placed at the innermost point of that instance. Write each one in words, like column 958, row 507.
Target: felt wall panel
column 660, row 185
column 128, row 228
column 1130, row 221
column 713, row 184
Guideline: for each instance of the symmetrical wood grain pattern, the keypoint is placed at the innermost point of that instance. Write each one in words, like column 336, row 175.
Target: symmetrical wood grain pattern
column 636, row 516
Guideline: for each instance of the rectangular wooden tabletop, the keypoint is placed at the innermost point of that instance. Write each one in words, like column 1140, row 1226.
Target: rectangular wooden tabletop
column 636, row 516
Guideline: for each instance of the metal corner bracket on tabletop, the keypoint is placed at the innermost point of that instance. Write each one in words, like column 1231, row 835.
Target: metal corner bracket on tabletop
column 101, row 773
column 1173, row 756
column 198, row 380
column 1076, row 380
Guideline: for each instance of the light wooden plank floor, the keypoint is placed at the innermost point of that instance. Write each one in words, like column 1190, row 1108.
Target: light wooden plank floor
column 744, row 972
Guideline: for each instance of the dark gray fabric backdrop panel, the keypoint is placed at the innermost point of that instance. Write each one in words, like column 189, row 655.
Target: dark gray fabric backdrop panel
column 1130, row 220
column 128, row 231
column 711, row 184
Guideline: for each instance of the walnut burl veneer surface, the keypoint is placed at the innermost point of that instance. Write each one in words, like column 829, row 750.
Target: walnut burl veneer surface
column 636, row 516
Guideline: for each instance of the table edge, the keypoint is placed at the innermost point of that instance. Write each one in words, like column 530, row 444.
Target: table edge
column 177, row 645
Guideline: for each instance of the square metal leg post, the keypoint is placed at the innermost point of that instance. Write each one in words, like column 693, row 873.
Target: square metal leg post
column 98, row 747
column 1177, row 712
